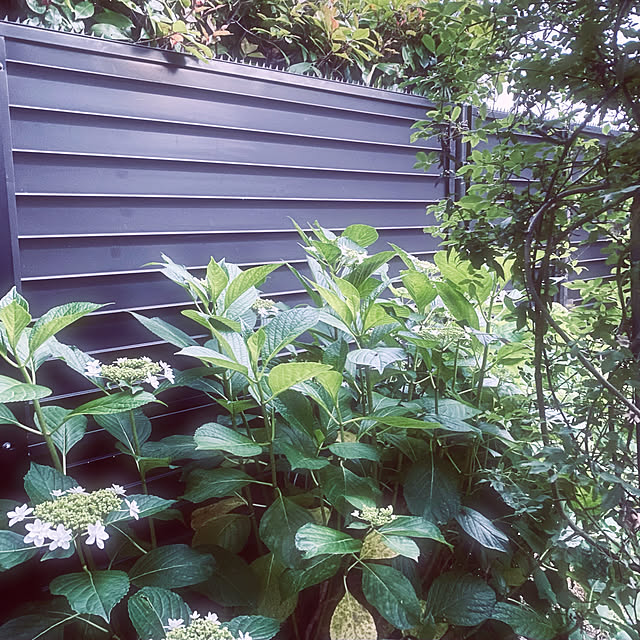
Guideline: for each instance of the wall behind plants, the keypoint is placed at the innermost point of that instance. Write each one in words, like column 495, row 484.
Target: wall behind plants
column 117, row 153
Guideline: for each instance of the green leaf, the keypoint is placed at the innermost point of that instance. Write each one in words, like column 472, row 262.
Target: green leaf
column 215, row 358
column 15, row 319
column 391, row 593
column 114, row 403
column 414, row 527
column 165, row 331
column 120, row 427
column 431, row 491
column 420, row 288
column 174, row 566
column 57, row 319
column 342, row 488
column 315, row 540
column 233, row 582
column 64, row 434
column 362, row 234
column 461, row 309
column 429, row 42
column 317, row 570
column 482, row 529
column 14, row 550
column 271, row 603
column 7, row 417
column 376, row 358
column 93, row 592
column 400, row 422
column 214, row 437
column 174, row 448
column 286, row 327
column 245, row 280
column 524, row 621
column 83, row 10
column 300, row 460
column 148, row 505
column 401, row 545
column 150, row 609
column 217, row 279
column 36, row 7
column 355, row 451
column 203, row 484
column 360, row 273
column 460, row 599
column 109, row 31
column 41, row 480
column 286, row 375
column 278, row 527
column 351, row 621
column 13, row 391
column 258, row 627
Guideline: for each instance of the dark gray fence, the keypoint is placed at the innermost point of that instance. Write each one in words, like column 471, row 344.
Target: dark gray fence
column 113, row 154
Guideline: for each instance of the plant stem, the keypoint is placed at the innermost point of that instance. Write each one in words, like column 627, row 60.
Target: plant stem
column 43, row 426
column 143, row 475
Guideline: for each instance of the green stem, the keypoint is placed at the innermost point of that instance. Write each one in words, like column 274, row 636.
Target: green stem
column 485, row 352
column 43, row 426
column 143, row 475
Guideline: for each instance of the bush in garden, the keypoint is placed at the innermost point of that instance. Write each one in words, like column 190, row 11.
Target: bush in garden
column 359, row 478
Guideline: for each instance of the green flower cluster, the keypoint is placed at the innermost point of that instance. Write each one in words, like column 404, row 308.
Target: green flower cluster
column 265, row 307
column 353, row 256
column 446, row 335
column 375, row 516
column 131, row 370
column 426, row 267
column 76, row 511
column 200, row 629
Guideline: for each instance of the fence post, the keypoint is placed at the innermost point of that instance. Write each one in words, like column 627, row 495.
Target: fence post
column 9, row 252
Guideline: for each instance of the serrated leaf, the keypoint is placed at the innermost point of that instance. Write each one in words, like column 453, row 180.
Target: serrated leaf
column 150, row 609
column 245, row 280
column 41, row 480
column 362, row 234
column 93, row 592
column 65, row 434
column 215, row 358
column 461, row 309
column 286, row 327
column 83, row 10
column 16, row 319
column 278, row 527
column 315, row 540
column 214, row 437
column 299, row 460
column 173, row 566
column 14, row 550
column 355, row 451
column 391, row 593
column 120, row 427
column 203, row 484
column 376, row 358
column 57, row 319
column 481, row 529
column 114, row 403
column 524, row 621
column 14, row 391
column 431, row 491
column 420, row 288
column 36, row 625
column 217, row 279
column 286, row 375
column 257, row 627
column 460, row 599
column 344, row 489
column 414, row 527
column 351, row 621
column 317, row 570
column 165, row 331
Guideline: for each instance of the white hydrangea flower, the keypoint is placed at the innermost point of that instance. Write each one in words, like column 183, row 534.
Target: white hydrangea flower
column 93, row 368
column 194, row 615
column 57, row 493
column 60, row 537
column 167, row 372
column 19, row 514
column 174, row 623
column 243, row 636
column 134, row 509
column 119, row 490
column 97, row 534
column 152, row 380
column 80, row 490
column 38, row 531
column 211, row 617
